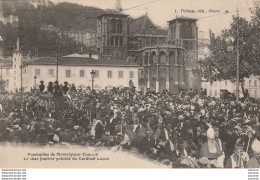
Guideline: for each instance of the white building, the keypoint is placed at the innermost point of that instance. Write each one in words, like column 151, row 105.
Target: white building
column 87, row 37
column 6, row 71
column 252, row 84
column 76, row 70
column 213, row 89
column 37, row 3
column 13, row 20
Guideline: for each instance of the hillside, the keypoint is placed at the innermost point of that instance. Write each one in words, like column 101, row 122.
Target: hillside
column 63, row 16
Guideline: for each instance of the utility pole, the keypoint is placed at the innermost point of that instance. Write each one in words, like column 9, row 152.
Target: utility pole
column 22, row 83
column 237, row 70
column 2, row 83
column 57, row 66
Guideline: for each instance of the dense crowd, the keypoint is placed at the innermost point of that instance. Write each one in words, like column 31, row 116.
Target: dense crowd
column 188, row 129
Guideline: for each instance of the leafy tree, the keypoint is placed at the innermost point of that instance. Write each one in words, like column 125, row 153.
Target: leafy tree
column 221, row 63
column 2, row 85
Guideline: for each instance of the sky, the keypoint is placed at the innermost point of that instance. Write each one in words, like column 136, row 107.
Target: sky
column 210, row 13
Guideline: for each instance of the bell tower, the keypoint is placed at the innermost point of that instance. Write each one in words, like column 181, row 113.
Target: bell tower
column 183, row 32
column 112, row 36
column 17, row 62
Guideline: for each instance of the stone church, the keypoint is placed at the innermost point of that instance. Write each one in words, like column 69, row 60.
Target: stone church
column 168, row 59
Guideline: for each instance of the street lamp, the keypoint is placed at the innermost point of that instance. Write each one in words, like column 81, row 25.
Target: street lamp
column 92, row 77
column 35, row 78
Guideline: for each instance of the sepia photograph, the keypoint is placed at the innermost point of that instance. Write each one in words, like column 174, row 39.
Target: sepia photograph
column 130, row 84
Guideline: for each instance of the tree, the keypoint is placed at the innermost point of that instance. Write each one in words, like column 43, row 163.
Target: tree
column 2, row 85
column 221, row 63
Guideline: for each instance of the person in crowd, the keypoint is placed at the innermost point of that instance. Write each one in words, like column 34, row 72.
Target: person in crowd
column 210, row 150
column 65, row 87
column 50, row 87
column 239, row 158
column 254, row 161
column 41, row 86
column 146, row 143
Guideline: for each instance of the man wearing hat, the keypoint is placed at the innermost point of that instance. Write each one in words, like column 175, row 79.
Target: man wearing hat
column 65, row 87
column 41, row 86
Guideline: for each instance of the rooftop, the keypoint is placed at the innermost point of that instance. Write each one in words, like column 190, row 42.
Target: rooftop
column 144, row 25
column 80, row 61
column 183, row 18
column 112, row 13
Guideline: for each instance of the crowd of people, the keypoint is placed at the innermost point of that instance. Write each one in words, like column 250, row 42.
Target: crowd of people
column 188, row 129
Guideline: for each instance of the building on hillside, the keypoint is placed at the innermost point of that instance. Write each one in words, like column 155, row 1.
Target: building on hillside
column 87, row 37
column 37, row 3
column 11, row 19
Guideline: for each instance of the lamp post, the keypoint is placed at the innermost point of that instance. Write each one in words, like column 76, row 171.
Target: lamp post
column 92, row 77
column 35, row 78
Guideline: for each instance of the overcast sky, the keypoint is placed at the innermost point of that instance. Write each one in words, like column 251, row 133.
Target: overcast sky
column 162, row 11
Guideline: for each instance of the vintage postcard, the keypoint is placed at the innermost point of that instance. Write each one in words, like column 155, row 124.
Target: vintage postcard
column 129, row 84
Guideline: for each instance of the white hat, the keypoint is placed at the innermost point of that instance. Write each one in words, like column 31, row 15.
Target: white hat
column 76, row 127
column 210, row 133
column 256, row 146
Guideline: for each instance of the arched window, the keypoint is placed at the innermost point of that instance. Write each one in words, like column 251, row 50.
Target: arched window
column 121, row 41
column 181, row 58
column 162, row 58
column 118, row 56
column 113, row 26
column 112, row 41
column 116, row 41
column 119, row 26
column 172, row 57
column 145, row 59
column 153, row 59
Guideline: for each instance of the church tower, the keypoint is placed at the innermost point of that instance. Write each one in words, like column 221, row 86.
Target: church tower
column 17, row 62
column 112, row 36
column 183, row 32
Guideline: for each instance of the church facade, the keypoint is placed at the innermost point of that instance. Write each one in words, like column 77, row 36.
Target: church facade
column 168, row 59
